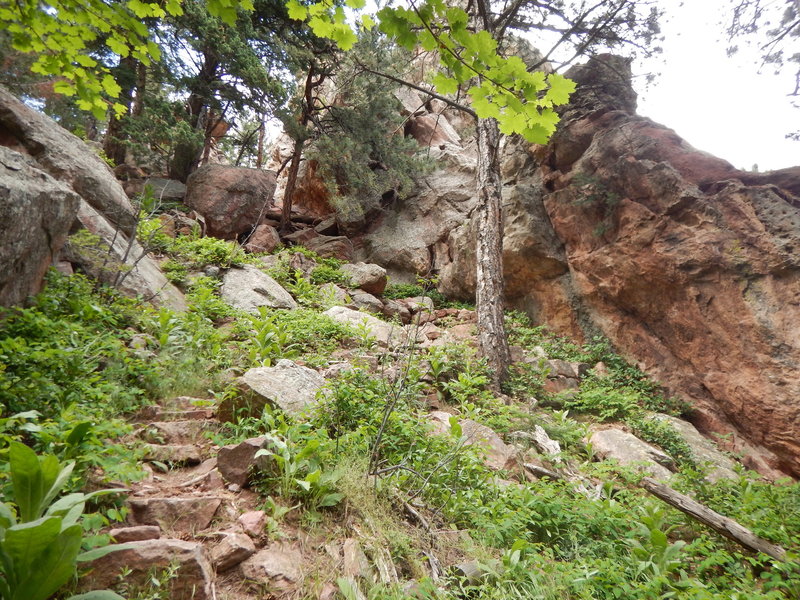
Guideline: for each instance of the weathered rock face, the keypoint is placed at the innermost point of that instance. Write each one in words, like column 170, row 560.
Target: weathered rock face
column 36, row 212
column 230, row 198
column 619, row 227
column 65, row 157
column 115, row 260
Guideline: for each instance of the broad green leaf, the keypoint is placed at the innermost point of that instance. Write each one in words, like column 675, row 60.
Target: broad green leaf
column 344, row 37
column 26, row 479
column 356, row 4
column 296, row 11
column 511, row 122
column 536, row 134
column 560, row 88
column 444, row 84
column 79, row 432
column 455, row 427
column 331, row 499
column 24, row 543
column 110, row 86
column 64, row 87
column 7, row 518
column 367, row 22
column 57, row 485
column 97, row 595
column 57, row 561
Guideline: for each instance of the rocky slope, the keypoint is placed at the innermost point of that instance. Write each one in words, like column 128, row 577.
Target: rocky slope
column 619, row 227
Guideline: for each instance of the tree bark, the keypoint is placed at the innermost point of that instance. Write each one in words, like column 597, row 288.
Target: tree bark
column 492, row 337
column 723, row 525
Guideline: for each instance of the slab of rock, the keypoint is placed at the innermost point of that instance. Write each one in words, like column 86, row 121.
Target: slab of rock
column 253, row 523
column 627, row 449
column 365, row 301
column 181, row 514
column 174, row 454
column 499, row 455
column 721, row 466
column 176, row 432
column 235, row 460
column 232, row 549
column 264, row 239
column 120, row 262
column 231, row 199
column 249, row 287
column 66, row 158
column 385, row 333
column 164, row 190
column 369, row 277
column 138, row 533
column 279, row 565
column 194, row 579
column 36, row 212
column 291, row 387
column 327, row 246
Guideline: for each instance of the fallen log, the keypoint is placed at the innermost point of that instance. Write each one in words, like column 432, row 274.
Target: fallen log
column 723, row 525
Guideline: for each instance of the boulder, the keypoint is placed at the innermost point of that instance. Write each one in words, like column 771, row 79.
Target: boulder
column 627, row 449
column 193, row 581
column 253, row 523
column 705, row 452
column 36, row 212
column 279, row 566
column 182, row 514
column 265, row 238
column 369, row 277
column 432, row 130
column 288, row 386
column 231, row 199
column 364, row 301
column 232, row 549
column 385, row 334
column 236, row 460
column 498, row 454
column 173, row 454
column 327, row 246
column 66, row 158
column 249, row 287
column 110, row 257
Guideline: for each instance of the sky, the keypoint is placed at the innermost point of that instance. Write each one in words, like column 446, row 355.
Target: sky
column 718, row 104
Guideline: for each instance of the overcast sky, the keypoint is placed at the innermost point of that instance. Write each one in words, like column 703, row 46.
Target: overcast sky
column 719, row 104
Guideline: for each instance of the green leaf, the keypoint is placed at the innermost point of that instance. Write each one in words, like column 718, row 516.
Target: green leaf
column 560, row 88
column 24, row 543
column 7, row 518
column 297, row 11
column 110, row 86
column 331, row 499
column 455, row 427
column 97, row 595
column 57, row 561
column 367, row 22
column 26, row 479
column 444, row 84
column 79, row 432
column 356, row 4
column 96, row 553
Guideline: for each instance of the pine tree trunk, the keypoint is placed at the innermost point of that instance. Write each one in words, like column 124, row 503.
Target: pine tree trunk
column 492, row 337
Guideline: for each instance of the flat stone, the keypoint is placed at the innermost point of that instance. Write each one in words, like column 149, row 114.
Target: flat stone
column 498, row 454
column 253, row 523
column 173, row 454
column 180, row 515
column 235, row 461
column 249, row 288
column 385, row 334
column 231, row 550
column 138, row 533
column 288, row 386
column 184, row 431
column 627, row 449
column 279, row 565
column 194, row 578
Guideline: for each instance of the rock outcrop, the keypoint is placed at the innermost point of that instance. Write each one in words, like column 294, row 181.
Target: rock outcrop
column 36, row 212
column 619, row 227
column 65, row 157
